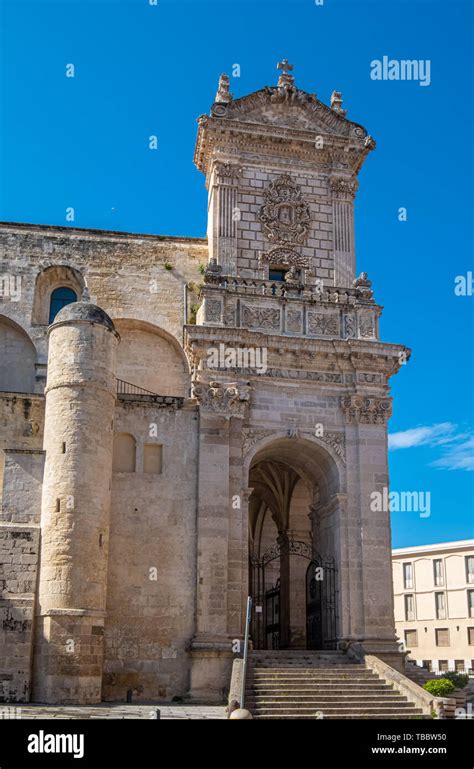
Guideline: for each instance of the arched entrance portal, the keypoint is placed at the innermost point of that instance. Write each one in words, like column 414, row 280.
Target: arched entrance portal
column 294, row 541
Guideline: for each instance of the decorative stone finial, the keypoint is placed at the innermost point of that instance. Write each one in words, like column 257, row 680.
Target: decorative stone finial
column 285, row 78
column 223, row 95
column 336, row 103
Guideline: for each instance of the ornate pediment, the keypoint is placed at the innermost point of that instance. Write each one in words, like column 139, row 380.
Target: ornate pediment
column 288, row 107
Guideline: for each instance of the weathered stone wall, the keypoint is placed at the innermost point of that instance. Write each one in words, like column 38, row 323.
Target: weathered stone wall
column 152, row 568
column 18, row 565
column 139, row 277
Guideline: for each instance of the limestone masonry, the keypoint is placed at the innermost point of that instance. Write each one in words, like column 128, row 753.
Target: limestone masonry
column 187, row 421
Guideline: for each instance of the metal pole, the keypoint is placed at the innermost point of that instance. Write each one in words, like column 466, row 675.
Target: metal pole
column 246, row 648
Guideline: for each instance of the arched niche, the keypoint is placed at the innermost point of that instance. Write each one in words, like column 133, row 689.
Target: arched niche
column 47, row 281
column 17, row 358
column 151, row 358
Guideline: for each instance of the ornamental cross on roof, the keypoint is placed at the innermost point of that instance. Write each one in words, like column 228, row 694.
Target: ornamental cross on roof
column 285, row 78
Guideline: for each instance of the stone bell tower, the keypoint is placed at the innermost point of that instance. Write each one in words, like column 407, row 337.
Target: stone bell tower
column 281, row 172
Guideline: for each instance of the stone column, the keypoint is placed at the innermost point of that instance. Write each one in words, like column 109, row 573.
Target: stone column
column 221, row 404
column 75, row 508
column 370, row 623
column 223, row 215
column 343, row 191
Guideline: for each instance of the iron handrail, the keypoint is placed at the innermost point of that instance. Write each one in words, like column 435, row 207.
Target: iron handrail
column 246, row 650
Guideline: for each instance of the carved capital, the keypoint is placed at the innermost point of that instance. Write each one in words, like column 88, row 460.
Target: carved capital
column 372, row 411
column 226, row 173
column 228, row 398
column 342, row 187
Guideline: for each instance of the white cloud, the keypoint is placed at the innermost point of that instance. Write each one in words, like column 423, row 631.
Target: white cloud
column 458, row 457
column 457, row 447
column 422, row 436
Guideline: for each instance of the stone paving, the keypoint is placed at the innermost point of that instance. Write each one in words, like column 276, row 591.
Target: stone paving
column 113, row 711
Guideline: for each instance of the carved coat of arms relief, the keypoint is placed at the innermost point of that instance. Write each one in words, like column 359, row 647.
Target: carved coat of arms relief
column 284, row 215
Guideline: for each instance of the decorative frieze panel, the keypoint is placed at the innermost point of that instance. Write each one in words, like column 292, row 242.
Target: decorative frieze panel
column 349, row 326
column 260, row 317
column 366, row 325
column 323, row 324
column 294, row 321
column 212, row 311
column 285, row 216
column 358, row 409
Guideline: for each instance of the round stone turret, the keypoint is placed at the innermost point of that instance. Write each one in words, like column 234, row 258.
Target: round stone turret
column 78, row 440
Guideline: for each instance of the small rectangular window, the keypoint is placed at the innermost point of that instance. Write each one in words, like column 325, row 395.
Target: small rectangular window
column 274, row 273
column 470, row 602
column 409, row 607
column 407, row 576
column 440, row 606
column 470, row 569
column 459, row 666
column 442, row 637
column 438, row 572
column 443, row 666
column 411, row 638
column 470, row 636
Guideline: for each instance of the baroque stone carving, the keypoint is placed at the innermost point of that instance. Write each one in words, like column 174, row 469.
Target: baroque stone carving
column 227, row 173
column 349, row 326
column 294, row 321
column 251, row 437
column 366, row 325
column 373, row 411
column 343, row 187
column 212, row 311
column 221, row 398
column 363, row 284
column 260, row 317
column 323, row 324
column 284, row 215
column 285, row 257
column 337, row 441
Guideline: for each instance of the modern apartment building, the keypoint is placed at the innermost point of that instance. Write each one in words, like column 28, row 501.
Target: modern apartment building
column 434, row 604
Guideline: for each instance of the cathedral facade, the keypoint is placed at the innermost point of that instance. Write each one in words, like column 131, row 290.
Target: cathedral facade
column 185, row 422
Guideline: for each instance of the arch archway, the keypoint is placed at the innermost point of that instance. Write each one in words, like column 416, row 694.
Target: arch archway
column 294, row 520
column 150, row 358
column 17, row 358
column 50, row 280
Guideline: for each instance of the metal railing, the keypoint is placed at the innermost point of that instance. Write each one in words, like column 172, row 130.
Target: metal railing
column 127, row 388
column 246, row 650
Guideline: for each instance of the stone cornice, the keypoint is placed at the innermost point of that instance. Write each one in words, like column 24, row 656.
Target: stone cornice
column 330, row 355
column 241, row 138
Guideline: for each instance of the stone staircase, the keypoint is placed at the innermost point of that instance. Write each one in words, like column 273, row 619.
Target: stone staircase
column 325, row 684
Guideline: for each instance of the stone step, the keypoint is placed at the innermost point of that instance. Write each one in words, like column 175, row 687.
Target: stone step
column 318, row 692
column 288, row 679
column 311, row 669
column 355, row 712
column 364, row 717
column 344, row 700
column 298, row 652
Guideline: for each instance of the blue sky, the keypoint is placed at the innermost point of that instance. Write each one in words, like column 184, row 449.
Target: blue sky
column 142, row 69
